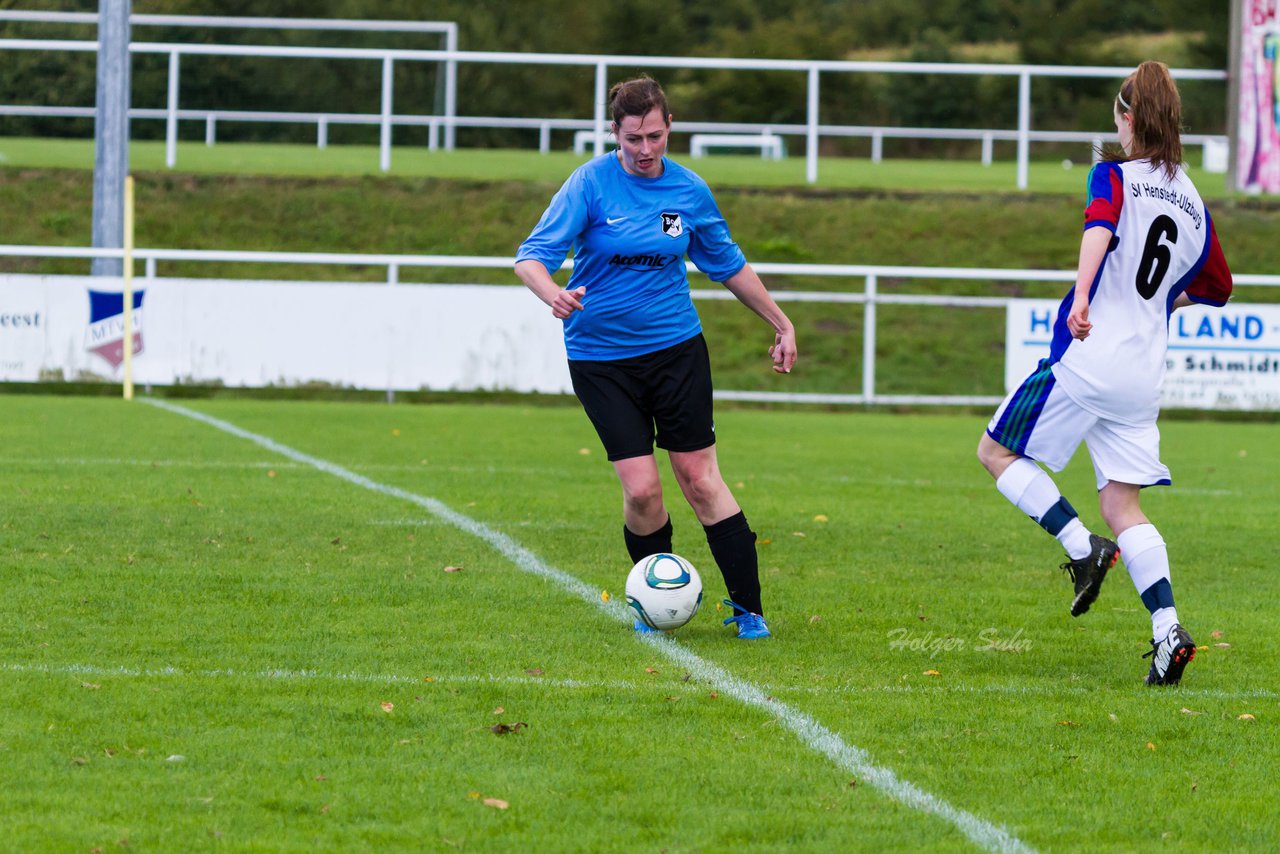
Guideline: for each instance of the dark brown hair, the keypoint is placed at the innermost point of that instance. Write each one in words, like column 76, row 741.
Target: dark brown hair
column 1151, row 97
column 637, row 97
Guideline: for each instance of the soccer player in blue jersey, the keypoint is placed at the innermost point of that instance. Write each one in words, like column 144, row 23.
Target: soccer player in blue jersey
column 637, row 357
column 1149, row 247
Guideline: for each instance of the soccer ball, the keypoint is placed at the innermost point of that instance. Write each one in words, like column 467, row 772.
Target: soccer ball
column 665, row 591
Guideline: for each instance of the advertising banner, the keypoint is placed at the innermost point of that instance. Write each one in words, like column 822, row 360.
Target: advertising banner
column 1258, row 127
column 253, row 334
column 1219, row 358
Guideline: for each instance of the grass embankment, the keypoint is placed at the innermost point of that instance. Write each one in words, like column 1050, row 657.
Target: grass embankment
column 1045, row 174
column 920, row 350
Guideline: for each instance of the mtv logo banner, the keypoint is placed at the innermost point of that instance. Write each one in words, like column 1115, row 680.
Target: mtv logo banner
column 51, row 329
column 1219, row 358
column 104, row 335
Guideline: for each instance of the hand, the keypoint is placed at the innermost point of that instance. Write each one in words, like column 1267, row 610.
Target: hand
column 1078, row 320
column 567, row 302
column 783, row 351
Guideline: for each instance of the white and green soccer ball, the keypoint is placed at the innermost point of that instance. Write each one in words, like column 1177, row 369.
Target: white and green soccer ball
column 664, row 591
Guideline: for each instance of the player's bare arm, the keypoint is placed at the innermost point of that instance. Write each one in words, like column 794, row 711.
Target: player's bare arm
column 1093, row 248
column 563, row 302
column 751, row 292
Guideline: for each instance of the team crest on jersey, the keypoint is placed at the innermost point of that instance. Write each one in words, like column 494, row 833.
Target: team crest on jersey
column 672, row 225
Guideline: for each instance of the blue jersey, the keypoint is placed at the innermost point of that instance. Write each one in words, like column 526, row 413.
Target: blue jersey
column 630, row 236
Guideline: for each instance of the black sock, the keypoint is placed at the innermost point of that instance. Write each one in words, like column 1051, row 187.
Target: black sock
column 640, row 546
column 733, row 545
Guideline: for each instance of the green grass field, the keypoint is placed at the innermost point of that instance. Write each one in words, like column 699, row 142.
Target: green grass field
column 723, row 170
column 221, row 640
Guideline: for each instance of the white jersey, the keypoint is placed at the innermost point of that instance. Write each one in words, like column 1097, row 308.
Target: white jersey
column 1163, row 245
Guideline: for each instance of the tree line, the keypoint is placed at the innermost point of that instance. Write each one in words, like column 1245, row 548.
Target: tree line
column 1187, row 33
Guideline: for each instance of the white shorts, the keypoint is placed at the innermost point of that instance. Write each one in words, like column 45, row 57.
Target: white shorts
column 1039, row 420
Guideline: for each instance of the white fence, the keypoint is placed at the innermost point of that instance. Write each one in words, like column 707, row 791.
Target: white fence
column 447, row 29
column 811, row 131
column 869, row 295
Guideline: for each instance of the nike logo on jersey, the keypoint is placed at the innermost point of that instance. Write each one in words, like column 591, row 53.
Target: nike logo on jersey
column 613, row 220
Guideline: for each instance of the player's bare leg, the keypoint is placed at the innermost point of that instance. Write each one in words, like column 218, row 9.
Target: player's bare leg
column 995, row 458
column 646, row 527
column 1032, row 491
column 643, row 510
column 1147, row 559
column 730, row 538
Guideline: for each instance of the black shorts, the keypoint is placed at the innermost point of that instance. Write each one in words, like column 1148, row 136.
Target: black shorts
column 664, row 395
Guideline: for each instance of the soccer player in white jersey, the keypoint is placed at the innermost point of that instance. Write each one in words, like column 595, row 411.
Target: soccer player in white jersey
column 1149, row 247
column 637, row 357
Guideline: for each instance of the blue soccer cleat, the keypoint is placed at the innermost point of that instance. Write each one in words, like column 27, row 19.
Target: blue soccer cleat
column 643, row 628
column 750, row 626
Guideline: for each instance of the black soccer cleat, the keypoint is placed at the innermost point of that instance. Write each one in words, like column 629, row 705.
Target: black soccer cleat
column 1088, row 572
column 1170, row 657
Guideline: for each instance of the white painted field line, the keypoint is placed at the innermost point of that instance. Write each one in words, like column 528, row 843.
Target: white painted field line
column 406, row 523
column 853, row 759
column 286, row 675
column 614, row 686
column 112, row 462
column 849, row 480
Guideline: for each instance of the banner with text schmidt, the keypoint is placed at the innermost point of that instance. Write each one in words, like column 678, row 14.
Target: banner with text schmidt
column 1219, row 358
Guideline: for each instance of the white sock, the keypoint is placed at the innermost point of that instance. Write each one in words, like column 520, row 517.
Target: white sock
column 1147, row 559
column 1161, row 622
column 1074, row 537
column 1033, row 492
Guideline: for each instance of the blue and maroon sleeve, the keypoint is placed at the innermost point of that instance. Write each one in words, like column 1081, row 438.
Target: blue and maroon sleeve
column 1212, row 285
column 1106, row 196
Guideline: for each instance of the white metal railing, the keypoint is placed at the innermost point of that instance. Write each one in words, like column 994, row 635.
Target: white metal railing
column 238, row 23
column 448, row 29
column 584, row 131
column 811, row 130
column 869, row 296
